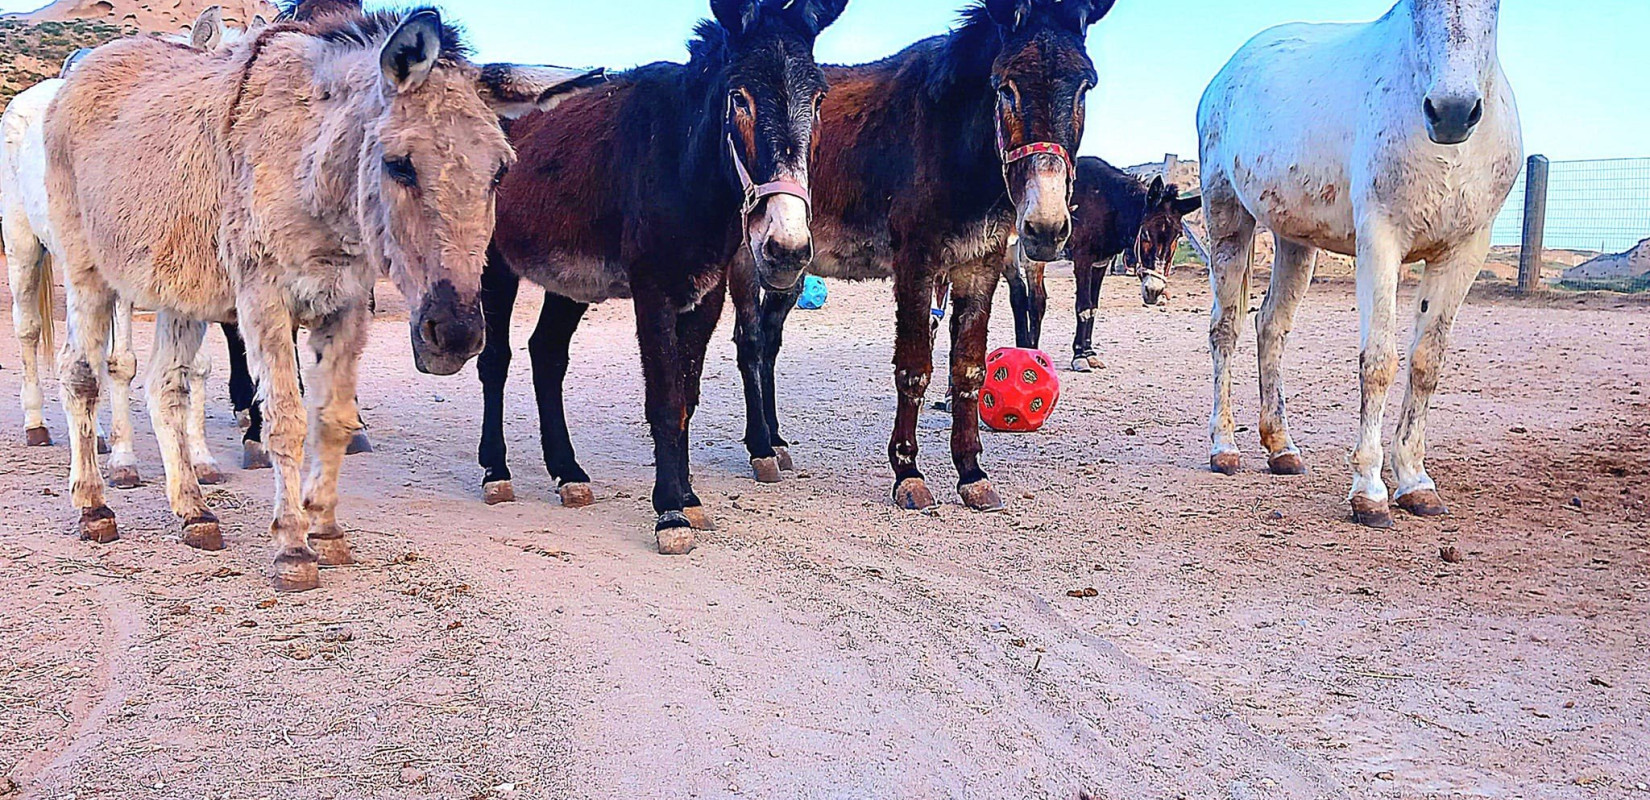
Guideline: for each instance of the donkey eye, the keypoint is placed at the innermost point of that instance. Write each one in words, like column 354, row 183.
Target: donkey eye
column 741, row 101
column 401, row 171
column 498, row 177
column 1008, row 97
column 819, row 103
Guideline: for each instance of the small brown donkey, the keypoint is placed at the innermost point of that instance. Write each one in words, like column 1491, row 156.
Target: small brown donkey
column 271, row 183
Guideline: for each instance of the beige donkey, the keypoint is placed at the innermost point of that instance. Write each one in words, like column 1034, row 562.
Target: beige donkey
column 270, row 183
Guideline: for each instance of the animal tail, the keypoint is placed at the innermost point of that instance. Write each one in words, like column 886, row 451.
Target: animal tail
column 44, row 301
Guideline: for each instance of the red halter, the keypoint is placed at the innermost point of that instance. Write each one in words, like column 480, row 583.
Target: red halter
column 1027, row 151
column 755, row 193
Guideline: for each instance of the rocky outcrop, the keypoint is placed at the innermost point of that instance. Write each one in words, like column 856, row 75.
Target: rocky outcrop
column 1629, row 266
column 155, row 16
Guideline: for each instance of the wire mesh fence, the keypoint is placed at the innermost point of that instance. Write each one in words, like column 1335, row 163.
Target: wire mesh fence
column 1598, row 213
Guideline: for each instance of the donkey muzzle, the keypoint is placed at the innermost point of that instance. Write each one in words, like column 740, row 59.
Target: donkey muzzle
column 1044, row 217
column 781, row 241
column 446, row 332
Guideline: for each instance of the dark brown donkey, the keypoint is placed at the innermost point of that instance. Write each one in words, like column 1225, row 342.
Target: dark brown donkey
column 1113, row 213
column 928, row 160
column 646, row 189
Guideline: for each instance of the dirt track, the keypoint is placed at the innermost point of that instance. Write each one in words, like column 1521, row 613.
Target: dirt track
column 1246, row 641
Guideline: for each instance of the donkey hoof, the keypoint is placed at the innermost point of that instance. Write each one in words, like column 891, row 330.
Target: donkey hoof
column 243, row 420
column 496, row 492
column 254, row 456
column 1226, row 463
column 576, row 495
column 785, row 462
column 124, row 478
column 1287, row 464
column 980, row 496
column 41, row 437
column 98, row 525
column 102, row 446
column 208, row 474
column 296, row 570
column 767, row 470
column 203, row 532
column 1081, row 365
column 912, row 495
column 699, row 518
column 1371, row 514
column 330, row 546
column 1095, row 362
column 358, row 444
column 1423, row 503
column 675, row 534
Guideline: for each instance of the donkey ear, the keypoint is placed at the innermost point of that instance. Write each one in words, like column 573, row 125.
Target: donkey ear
column 1008, row 13
column 736, row 16
column 73, row 61
column 817, row 15
column 514, row 91
column 1080, row 14
column 1154, row 193
column 1187, row 205
column 258, row 21
column 207, row 31
column 412, row 51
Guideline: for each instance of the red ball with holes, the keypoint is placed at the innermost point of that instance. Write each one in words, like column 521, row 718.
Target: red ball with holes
column 1021, row 390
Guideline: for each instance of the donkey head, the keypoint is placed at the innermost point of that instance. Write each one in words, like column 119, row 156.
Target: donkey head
column 431, row 160
column 772, row 95
column 1042, row 75
column 1159, row 237
column 1456, row 60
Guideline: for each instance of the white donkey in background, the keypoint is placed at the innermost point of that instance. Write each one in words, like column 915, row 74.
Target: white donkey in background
column 31, row 246
column 1394, row 141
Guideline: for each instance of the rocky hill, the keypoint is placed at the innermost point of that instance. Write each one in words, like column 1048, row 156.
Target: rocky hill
column 153, row 16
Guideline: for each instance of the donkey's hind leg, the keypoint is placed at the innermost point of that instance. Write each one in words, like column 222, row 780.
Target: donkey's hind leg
column 81, row 365
column 26, row 259
column 123, row 471
column 333, row 421
column 1232, row 231
column 177, row 340
column 207, row 470
column 1444, row 288
column 1291, row 275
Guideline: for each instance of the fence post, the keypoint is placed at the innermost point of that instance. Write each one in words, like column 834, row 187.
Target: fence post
column 1535, row 225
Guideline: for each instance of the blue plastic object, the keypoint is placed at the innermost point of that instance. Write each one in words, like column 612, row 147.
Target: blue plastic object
column 814, row 294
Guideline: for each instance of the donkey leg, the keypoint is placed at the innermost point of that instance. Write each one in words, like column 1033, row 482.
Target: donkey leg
column 1037, row 288
column 1291, row 275
column 268, row 328
column 333, row 421
column 81, row 365
column 913, row 369
column 693, row 331
column 498, row 301
column 122, row 366
column 1232, row 230
column 243, row 394
column 662, row 371
column 1019, row 302
column 177, row 341
column 1444, row 288
column 550, row 349
column 747, row 340
column 776, row 308
column 1380, row 257
column 25, row 259
column 1082, row 342
column 206, row 466
column 972, row 289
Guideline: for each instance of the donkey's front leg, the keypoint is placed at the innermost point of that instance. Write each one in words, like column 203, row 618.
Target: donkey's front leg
column 207, row 470
column 1232, row 231
column 662, row 371
column 776, row 308
column 551, row 351
column 268, row 329
column 333, row 422
column 243, row 394
column 1089, row 277
column 913, row 368
column 122, row 366
column 1291, row 275
column 1444, row 288
column 972, row 288
column 499, row 287
column 177, row 341
column 1380, row 257
column 81, row 366
column 748, row 337
column 694, row 328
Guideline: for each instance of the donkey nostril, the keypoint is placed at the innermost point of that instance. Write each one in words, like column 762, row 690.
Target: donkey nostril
column 1477, row 114
column 1432, row 112
column 429, row 332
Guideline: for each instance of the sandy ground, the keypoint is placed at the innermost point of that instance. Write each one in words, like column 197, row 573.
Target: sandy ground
column 1244, row 641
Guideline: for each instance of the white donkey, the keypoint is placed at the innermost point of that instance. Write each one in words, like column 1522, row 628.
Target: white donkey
column 1394, row 141
column 31, row 247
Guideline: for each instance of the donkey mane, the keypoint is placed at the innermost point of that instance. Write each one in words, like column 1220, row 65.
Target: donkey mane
column 361, row 29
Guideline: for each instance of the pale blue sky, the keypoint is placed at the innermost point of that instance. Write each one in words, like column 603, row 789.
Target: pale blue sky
column 1578, row 66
